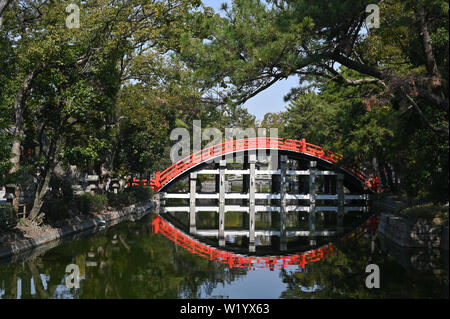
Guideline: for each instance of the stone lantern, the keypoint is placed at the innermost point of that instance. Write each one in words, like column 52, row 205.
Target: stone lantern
column 115, row 185
column 92, row 181
column 10, row 193
column 77, row 189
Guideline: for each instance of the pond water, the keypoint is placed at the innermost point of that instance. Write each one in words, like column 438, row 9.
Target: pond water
column 130, row 260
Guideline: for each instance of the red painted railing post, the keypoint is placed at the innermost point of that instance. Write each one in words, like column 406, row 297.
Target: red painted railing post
column 303, row 145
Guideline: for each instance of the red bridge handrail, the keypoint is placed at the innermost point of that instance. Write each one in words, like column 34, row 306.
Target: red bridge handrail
column 254, row 143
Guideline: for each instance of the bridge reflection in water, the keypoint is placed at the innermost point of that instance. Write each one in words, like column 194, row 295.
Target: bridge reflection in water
column 233, row 259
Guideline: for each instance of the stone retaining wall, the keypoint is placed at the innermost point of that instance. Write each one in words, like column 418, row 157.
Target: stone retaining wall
column 408, row 233
column 109, row 219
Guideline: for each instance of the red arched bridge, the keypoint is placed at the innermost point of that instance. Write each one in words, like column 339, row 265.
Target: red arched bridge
column 285, row 146
column 309, row 181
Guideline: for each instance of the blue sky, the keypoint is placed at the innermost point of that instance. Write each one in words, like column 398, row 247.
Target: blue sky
column 271, row 99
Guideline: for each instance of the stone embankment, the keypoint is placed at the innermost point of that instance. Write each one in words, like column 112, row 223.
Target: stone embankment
column 411, row 233
column 408, row 232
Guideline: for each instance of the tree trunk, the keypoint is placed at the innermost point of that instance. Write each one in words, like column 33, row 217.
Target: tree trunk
column 16, row 149
column 3, row 5
column 39, row 197
column 382, row 175
column 431, row 64
column 46, row 174
column 19, row 107
column 389, row 180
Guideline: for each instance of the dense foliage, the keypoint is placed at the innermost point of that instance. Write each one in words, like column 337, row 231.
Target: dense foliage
column 104, row 97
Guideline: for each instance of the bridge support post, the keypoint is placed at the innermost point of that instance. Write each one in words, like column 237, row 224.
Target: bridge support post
column 283, row 164
column 162, row 199
column 245, row 177
column 312, row 201
column 326, row 184
column 161, row 203
column 217, row 177
column 252, row 208
column 192, row 192
column 222, row 166
column 340, row 193
column 275, row 183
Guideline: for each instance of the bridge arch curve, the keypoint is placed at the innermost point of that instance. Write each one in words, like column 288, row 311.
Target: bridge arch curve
column 355, row 178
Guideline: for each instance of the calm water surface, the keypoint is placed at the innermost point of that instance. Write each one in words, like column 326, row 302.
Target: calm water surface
column 130, row 261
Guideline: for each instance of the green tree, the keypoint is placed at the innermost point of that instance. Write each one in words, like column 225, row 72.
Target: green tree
column 274, row 120
column 65, row 82
column 341, row 120
column 142, row 134
column 396, row 77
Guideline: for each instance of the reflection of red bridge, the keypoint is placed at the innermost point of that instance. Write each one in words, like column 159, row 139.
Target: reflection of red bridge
column 162, row 179
column 235, row 260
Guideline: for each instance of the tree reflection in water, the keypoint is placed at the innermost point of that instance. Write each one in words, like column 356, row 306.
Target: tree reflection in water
column 126, row 261
column 130, row 261
column 343, row 276
column 332, row 271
